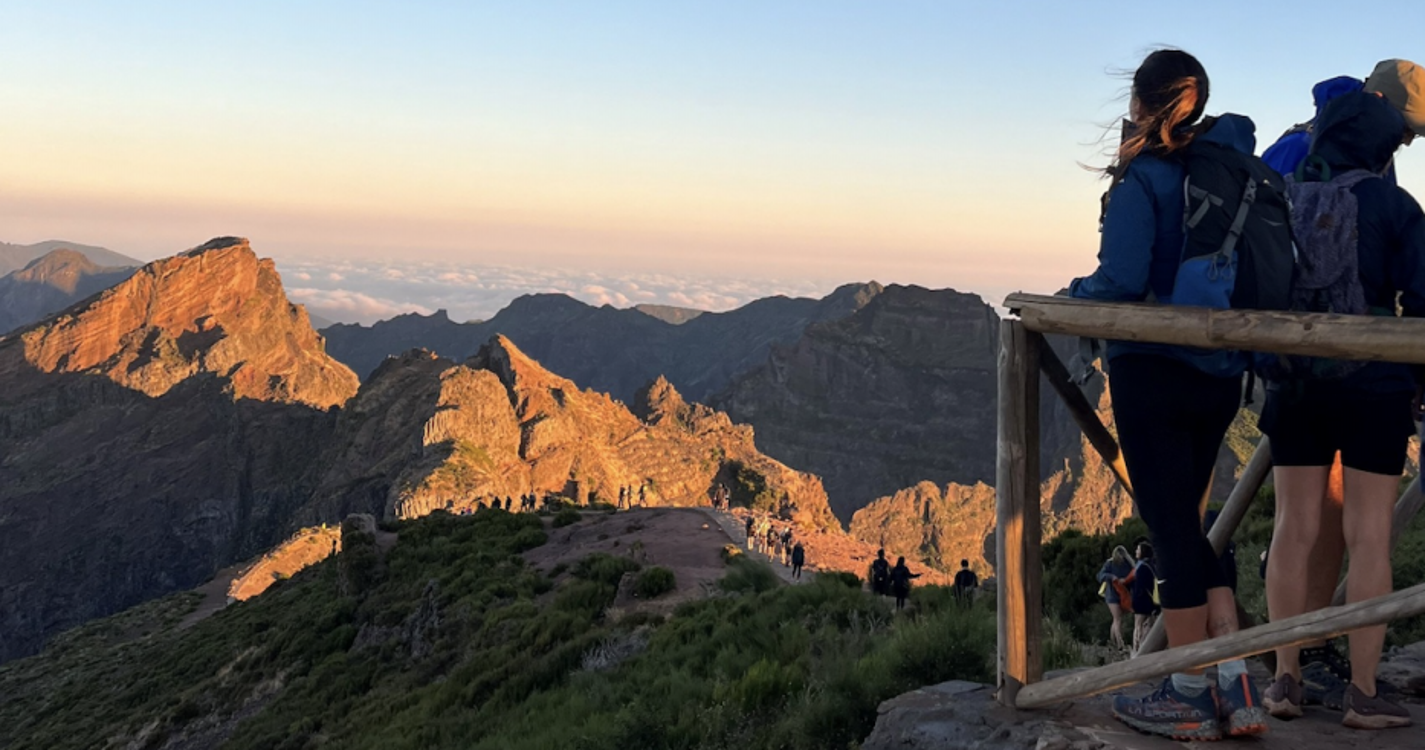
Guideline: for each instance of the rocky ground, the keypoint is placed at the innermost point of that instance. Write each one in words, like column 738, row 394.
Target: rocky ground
column 955, row 715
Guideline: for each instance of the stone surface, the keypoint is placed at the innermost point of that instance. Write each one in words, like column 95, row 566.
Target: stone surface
column 964, row 716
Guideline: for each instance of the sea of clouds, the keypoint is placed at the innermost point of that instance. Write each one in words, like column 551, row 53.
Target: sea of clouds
column 353, row 291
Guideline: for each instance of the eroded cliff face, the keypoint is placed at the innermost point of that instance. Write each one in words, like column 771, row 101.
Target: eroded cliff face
column 426, row 433
column 51, row 283
column 900, row 392
column 152, row 435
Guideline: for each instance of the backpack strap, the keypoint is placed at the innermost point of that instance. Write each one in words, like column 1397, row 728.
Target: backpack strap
column 1249, row 196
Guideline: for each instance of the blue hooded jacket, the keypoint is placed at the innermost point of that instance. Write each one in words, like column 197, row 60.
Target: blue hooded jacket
column 1292, row 147
column 1142, row 244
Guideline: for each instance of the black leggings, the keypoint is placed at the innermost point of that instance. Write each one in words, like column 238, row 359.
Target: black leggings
column 1171, row 418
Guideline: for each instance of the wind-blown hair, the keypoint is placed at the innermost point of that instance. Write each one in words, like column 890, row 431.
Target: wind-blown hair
column 1170, row 93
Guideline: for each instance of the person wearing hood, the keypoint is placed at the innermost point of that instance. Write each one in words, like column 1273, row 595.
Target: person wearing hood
column 1172, row 405
column 1366, row 414
column 1324, row 673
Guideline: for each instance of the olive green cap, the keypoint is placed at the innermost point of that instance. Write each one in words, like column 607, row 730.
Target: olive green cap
column 1402, row 83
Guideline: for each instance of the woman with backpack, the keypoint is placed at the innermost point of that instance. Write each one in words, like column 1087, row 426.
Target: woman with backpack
column 1110, row 578
column 1143, row 600
column 900, row 582
column 1172, row 405
column 1362, row 244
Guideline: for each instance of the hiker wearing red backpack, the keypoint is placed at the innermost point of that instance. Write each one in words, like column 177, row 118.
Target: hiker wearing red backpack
column 1173, row 405
column 1362, row 245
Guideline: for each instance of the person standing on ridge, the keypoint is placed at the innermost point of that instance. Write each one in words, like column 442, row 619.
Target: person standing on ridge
column 1173, row 405
column 1110, row 577
column 880, row 574
column 965, row 583
column 1317, row 407
column 900, row 582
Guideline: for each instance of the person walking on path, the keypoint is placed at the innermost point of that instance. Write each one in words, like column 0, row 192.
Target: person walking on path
column 1111, row 577
column 751, row 537
column 880, row 574
column 1173, row 405
column 900, row 582
column 966, row 582
column 1143, row 600
column 799, row 558
column 1316, row 407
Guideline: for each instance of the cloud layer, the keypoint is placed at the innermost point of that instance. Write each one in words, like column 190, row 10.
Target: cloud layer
column 353, row 291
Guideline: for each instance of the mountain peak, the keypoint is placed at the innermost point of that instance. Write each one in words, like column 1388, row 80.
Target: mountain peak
column 215, row 309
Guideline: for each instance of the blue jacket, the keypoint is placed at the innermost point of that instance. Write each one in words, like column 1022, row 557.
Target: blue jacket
column 1142, row 244
column 1292, row 147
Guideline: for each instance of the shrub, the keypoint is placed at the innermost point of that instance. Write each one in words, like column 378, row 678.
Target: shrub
column 654, row 582
column 745, row 575
column 730, row 552
column 604, row 568
column 845, row 578
column 567, row 517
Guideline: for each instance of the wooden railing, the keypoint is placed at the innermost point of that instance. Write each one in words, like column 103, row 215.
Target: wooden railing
column 1024, row 355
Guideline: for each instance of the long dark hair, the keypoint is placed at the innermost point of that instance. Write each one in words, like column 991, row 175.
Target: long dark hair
column 1171, row 90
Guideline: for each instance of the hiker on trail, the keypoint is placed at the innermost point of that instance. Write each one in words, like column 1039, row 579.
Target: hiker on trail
column 880, row 574
column 509, row 503
column 799, row 558
column 771, row 540
column 900, row 582
column 1324, row 673
column 786, row 544
column 1111, row 587
column 1173, row 405
column 1316, row 407
column 1143, row 596
column 643, row 496
column 965, row 583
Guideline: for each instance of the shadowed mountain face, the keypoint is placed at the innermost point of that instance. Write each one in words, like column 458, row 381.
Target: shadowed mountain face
column 16, row 257
column 608, row 349
column 185, row 420
column 51, row 283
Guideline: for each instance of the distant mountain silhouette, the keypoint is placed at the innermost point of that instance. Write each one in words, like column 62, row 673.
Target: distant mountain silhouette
column 611, row 350
column 51, row 283
column 669, row 314
column 16, row 257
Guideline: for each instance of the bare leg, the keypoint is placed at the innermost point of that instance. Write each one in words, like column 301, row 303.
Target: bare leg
column 1115, row 636
column 1301, row 492
column 1371, row 500
column 1323, row 565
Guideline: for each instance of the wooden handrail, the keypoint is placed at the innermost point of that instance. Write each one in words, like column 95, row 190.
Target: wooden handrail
column 1341, row 336
column 1313, row 626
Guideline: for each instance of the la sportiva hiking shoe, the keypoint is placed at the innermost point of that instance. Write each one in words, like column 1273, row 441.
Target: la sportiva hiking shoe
column 1364, row 712
column 1283, row 699
column 1169, row 713
column 1239, row 709
column 1324, row 676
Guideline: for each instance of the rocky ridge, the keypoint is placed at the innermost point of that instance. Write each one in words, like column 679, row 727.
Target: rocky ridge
column 51, row 283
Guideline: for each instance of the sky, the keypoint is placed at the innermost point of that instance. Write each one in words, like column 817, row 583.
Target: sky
column 727, row 148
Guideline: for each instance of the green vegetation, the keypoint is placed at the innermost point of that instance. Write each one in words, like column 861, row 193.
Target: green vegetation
column 450, row 641
column 567, row 517
column 654, row 582
column 749, row 488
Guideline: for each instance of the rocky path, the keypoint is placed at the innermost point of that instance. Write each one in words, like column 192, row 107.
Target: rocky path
column 955, row 715
column 736, row 531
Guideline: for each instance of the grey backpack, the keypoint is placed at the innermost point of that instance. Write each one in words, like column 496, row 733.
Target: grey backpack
column 1324, row 219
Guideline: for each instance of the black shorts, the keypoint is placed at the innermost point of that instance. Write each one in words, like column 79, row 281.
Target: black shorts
column 1309, row 422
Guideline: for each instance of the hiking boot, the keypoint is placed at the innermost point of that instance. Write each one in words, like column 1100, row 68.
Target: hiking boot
column 1324, row 676
column 1169, row 713
column 1240, row 710
column 1283, row 698
column 1363, row 712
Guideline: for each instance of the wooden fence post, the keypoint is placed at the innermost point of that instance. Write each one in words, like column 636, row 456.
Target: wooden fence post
column 1018, row 566
column 1083, row 412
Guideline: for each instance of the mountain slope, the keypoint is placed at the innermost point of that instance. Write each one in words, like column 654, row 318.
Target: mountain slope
column 16, row 257
column 51, row 283
column 607, row 349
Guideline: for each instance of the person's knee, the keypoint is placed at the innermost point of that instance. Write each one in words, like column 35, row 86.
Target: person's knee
column 1297, row 531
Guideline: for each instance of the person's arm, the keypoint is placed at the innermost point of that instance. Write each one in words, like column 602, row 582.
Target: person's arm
column 1125, row 251
column 1105, row 574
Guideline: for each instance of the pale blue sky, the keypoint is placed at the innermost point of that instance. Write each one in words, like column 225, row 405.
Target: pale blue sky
column 927, row 142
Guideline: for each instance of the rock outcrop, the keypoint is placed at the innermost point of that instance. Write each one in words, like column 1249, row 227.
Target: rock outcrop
column 152, row 435
column 51, row 283
column 900, row 392
column 607, row 349
column 426, row 433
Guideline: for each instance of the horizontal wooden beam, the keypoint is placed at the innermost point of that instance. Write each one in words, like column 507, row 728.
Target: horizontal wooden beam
column 1083, row 413
column 1340, row 336
column 1313, row 626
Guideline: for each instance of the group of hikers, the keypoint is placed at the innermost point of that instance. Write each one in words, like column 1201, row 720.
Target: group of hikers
column 630, row 497
column 1318, row 224
column 1129, row 583
column 888, row 580
column 781, row 546
column 528, row 503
